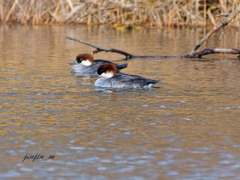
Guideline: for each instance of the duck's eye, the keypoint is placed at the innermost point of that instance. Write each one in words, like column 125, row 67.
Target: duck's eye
column 100, row 71
column 79, row 60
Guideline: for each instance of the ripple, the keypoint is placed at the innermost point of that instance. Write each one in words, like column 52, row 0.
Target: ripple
column 25, row 169
column 127, row 169
column 76, row 147
column 163, row 163
column 11, row 174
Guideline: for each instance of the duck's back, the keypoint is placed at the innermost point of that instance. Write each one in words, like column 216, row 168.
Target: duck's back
column 126, row 81
column 100, row 62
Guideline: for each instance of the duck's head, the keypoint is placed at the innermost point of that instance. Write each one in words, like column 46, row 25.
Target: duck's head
column 107, row 71
column 83, row 59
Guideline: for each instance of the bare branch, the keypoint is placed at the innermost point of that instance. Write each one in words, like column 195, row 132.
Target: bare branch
column 130, row 56
column 89, row 44
column 222, row 33
column 213, row 51
column 222, row 24
column 98, row 48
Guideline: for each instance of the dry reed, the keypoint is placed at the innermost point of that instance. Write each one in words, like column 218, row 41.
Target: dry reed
column 148, row 13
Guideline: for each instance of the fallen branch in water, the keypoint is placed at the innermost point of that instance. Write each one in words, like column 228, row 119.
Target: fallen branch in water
column 130, row 56
column 220, row 25
column 98, row 48
column 214, row 51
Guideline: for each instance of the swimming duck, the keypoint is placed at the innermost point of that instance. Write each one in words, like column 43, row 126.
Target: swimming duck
column 85, row 65
column 110, row 78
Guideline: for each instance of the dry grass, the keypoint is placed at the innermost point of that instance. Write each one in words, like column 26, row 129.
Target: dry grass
column 150, row 13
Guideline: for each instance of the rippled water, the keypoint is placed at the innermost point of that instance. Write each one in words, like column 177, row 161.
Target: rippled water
column 185, row 128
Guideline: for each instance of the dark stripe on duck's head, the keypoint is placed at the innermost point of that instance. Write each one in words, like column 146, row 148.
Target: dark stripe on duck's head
column 82, row 57
column 100, row 70
column 105, row 68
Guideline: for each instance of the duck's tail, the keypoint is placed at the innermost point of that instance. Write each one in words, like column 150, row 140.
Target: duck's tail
column 121, row 66
column 152, row 83
column 159, row 80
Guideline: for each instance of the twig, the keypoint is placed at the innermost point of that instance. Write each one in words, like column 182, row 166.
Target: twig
column 222, row 24
column 213, row 51
column 222, row 33
column 89, row 44
column 130, row 56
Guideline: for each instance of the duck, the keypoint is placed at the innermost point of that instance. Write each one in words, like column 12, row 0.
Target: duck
column 85, row 65
column 111, row 79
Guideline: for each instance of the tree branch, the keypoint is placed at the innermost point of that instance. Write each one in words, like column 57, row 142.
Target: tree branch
column 213, row 51
column 220, row 25
column 130, row 56
column 99, row 49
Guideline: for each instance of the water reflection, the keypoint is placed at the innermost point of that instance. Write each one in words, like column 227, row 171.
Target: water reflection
column 186, row 129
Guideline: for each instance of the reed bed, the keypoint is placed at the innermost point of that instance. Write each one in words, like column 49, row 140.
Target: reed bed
column 148, row 13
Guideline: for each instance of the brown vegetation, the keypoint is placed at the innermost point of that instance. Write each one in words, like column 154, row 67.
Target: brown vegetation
column 150, row 13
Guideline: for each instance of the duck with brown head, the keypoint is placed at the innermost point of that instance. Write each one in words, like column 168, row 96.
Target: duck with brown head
column 86, row 65
column 109, row 78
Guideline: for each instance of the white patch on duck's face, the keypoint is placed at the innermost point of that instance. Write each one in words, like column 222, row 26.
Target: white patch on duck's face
column 106, row 75
column 86, row 62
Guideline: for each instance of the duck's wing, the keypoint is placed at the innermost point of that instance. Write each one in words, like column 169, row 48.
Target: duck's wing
column 135, row 80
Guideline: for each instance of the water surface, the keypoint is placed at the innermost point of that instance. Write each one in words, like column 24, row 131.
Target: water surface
column 186, row 128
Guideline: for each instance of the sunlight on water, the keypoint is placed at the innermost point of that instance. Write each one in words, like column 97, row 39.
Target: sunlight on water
column 185, row 128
